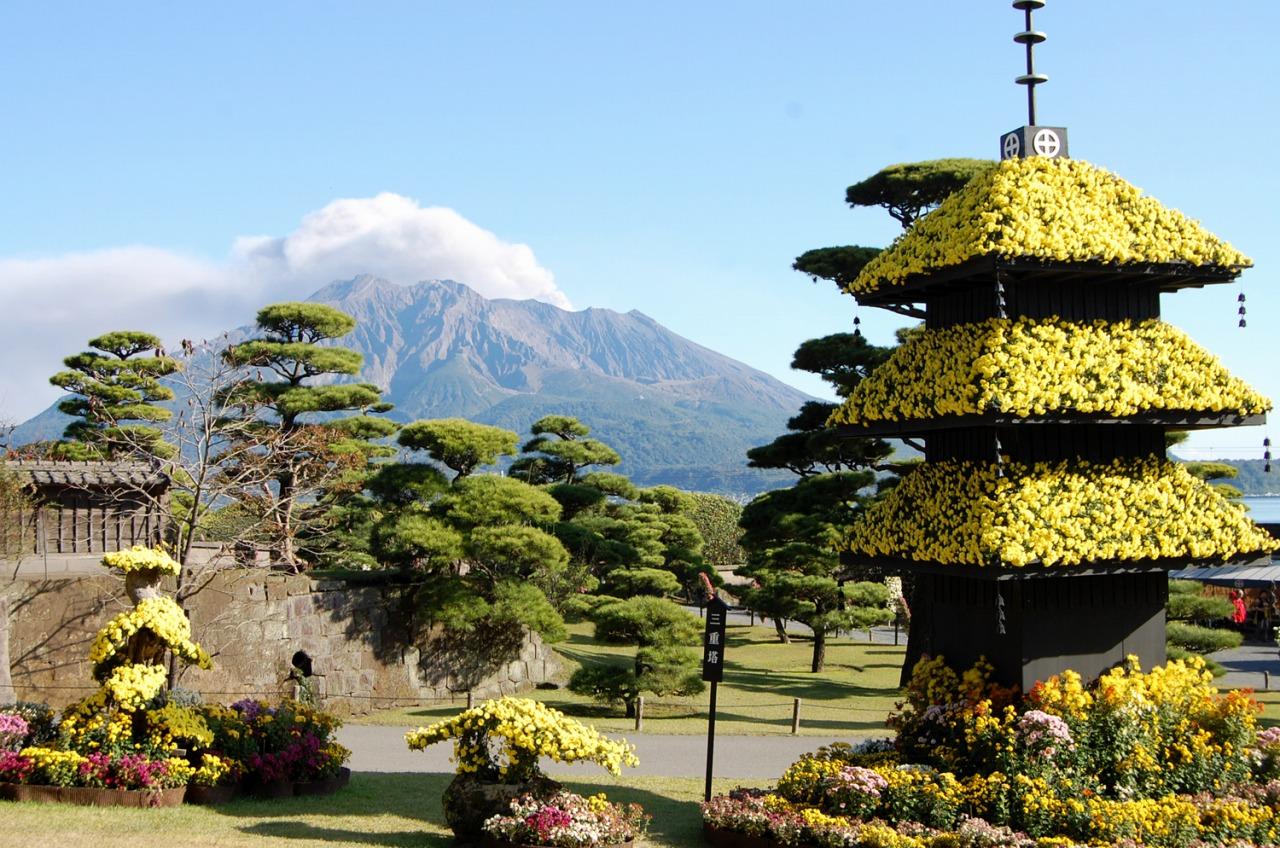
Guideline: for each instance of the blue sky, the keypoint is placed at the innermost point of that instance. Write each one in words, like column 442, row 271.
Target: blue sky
column 667, row 157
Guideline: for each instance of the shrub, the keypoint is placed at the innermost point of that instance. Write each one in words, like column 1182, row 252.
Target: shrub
column 1185, row 606
column 645, row 621
column 1201, row 640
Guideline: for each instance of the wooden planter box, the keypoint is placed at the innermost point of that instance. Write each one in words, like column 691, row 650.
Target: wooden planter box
column 290, row 788
column 212, row 794
column 488, row 841
column 718, row 838
column 89, row 797
column 328, row 786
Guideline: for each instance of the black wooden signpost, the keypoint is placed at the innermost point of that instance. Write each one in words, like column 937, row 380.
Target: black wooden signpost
column 713, row 670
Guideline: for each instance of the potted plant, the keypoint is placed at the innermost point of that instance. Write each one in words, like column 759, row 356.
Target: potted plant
column 565, row 820
column 497, row 745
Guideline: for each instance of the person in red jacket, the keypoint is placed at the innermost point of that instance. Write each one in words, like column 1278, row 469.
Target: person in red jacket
column 1240, row 613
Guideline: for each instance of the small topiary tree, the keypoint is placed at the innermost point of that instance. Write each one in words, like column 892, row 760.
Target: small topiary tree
column 664, row 662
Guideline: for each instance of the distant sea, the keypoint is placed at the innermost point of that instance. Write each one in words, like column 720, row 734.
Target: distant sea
column 1264, row 510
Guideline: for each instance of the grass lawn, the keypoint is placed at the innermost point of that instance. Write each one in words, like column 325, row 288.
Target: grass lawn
column 376, row 809
column 762, row 676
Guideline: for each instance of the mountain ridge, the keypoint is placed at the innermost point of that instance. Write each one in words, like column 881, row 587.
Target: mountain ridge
column 677, row 411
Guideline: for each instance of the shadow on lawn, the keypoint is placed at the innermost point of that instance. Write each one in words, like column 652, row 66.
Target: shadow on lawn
column 410, row 796
column 676, row 821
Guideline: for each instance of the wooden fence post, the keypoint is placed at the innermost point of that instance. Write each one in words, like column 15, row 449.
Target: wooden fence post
column 639, row 712
column 795, row 717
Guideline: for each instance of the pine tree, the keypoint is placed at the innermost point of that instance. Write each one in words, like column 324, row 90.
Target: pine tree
column 113, row 385
column 303, row 438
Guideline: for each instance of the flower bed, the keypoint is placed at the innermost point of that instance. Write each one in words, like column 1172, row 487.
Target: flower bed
column 1012, row 514
column 1063, row 210
column 1042, row 367
column 132, row 743
column 1159, row 759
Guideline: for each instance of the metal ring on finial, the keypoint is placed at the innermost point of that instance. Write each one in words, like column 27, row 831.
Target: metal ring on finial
column 1030, row 37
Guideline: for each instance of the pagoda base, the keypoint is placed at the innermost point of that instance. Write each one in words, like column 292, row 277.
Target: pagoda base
column 1030, row 629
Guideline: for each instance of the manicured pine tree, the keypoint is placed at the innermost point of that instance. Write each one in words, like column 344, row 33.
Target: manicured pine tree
column 113, row 385
column 664, row 663
column 559, row 451
column 302, row 435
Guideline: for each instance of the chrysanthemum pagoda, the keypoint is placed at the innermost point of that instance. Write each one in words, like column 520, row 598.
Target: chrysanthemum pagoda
column 1041, row 525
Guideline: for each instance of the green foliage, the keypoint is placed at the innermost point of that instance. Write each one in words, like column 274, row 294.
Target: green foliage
column 909, row 190
column 112, row 385
column 416, row 540
column 1195, row 607
column 513, row 550
column 1201, row 640
column 317, row 465
column 459, row 444
column 517, row 603
column 632, row 582
column 614, row 485
column 303, row 322
column 1185, row 587
column 668, row 499
column 607, row 524
column 790, row 537
column 489, row 499
column 645, row 622
column 575, row 497
column 664, row 662
column 843, row 360
column 401, row 484
column 559, row 450
column 716, row 519
column 841, row 265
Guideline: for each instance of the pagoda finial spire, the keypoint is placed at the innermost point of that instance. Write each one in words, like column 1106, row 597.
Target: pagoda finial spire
column 1032, row 140
column 1030, row 37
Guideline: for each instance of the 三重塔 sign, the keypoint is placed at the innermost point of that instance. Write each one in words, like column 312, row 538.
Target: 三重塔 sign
column 713, row 640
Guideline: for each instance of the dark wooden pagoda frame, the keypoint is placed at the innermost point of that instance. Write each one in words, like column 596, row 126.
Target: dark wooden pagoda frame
column 1036, row 621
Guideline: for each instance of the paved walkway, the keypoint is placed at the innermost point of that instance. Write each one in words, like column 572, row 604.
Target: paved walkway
column 1254, row 665
column 762, row 757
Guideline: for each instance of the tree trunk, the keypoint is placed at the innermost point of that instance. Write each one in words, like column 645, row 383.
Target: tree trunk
column 780, row 626
column 819, row 650
column 284, row 517
column 631, row 708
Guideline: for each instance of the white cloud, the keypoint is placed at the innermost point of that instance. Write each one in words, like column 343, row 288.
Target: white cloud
column 393, row 237
column 53, row 305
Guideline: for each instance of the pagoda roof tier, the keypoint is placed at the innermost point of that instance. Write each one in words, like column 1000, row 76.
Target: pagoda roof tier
column 1140, row 512
column 1177, row 420
column 1046, row 220
column 1004, row 573
column 1000, row 371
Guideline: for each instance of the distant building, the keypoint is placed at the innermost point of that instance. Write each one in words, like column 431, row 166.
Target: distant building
column 86, row 509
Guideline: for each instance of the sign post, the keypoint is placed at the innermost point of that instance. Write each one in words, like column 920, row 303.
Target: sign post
column 713, row 670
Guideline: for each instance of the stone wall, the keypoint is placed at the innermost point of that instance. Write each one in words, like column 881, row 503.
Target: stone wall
column 364, row 650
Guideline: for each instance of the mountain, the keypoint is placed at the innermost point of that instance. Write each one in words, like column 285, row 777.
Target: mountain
column 677, row 412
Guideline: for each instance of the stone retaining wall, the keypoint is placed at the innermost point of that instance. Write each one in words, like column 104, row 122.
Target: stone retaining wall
column 364, row 650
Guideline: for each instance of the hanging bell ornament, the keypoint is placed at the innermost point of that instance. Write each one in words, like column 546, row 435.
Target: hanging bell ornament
column 1240, row 297
column 1242, row 322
